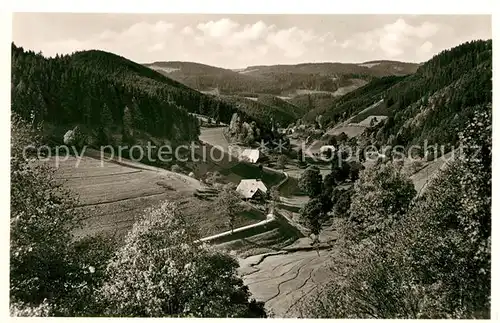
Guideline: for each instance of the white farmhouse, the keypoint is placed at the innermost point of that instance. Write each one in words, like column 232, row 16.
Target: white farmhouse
column 252, row 188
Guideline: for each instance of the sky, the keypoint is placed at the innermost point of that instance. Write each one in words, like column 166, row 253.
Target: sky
column 238, row 41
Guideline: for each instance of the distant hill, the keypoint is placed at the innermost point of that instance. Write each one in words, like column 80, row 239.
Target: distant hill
column 280, row 80
column 366, row 69
column 205, row 77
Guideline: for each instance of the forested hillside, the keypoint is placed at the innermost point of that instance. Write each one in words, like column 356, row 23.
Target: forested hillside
column 259, row 111
column 78, row 90
column 309, row 102
column 431, row 104
column 436, row 101
column 96, row 89
column 353, row 102
column 273, row 101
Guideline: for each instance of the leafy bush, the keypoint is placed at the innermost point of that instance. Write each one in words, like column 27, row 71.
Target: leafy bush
column 374, row 283
column 40, row 214
column 381, row 197
column 315, row 213
column 310, row 181
column 342, row 201
column 162, row 271
column 453, row 222
column 49, row 270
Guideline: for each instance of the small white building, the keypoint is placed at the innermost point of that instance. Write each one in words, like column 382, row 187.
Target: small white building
column 251, row 188
column 250, row 155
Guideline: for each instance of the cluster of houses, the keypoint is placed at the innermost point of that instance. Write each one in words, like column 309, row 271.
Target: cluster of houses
column 254, row 189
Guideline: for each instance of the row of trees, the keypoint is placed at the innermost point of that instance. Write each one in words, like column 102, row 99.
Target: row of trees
column 243, row 131
column 247, row 131
column 265, row 114
column 333, row 192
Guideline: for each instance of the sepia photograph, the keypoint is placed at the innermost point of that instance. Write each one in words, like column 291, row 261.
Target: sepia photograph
column 250, row 165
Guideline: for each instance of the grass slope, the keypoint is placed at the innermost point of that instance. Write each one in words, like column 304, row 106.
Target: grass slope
column 114, row 194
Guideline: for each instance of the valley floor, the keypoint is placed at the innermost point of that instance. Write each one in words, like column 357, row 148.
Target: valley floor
column 278, row 263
